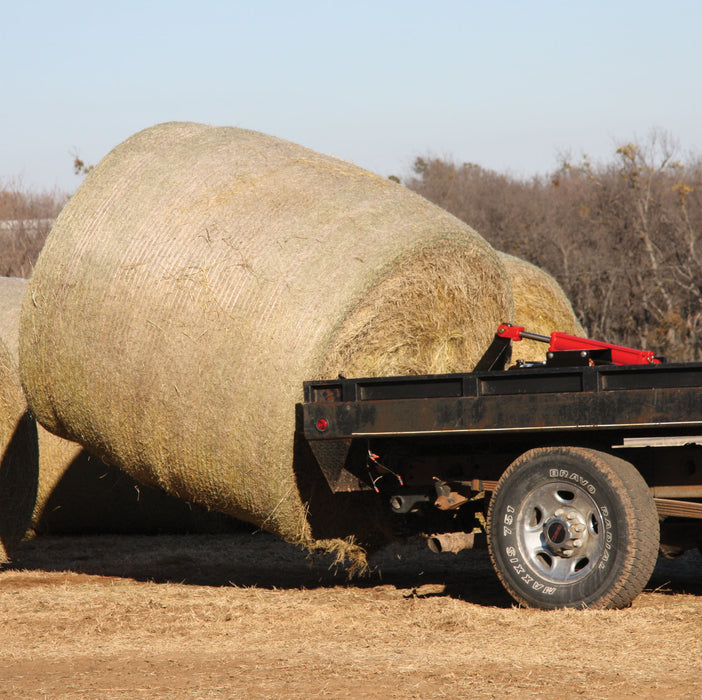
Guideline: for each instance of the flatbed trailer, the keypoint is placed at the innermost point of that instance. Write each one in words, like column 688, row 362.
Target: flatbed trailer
column 575, row 476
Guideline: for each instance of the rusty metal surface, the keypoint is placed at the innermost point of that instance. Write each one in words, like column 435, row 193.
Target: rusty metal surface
column 453, row 542
column 450, row 500
column 483, row 485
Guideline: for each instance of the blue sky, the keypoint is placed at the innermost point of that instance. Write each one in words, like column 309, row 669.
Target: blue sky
column 508, row 85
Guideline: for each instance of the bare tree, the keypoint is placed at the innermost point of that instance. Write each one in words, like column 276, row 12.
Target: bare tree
column 623, row 239
column 25, row 221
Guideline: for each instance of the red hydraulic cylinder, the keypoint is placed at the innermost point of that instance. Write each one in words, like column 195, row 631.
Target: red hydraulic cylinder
column 621, row 355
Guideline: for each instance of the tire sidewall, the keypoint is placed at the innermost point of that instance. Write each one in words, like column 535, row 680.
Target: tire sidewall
column 520, row 577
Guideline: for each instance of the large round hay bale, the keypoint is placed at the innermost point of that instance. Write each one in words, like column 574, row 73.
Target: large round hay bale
column 540, row 305
column 200, row 274
column 18, row 457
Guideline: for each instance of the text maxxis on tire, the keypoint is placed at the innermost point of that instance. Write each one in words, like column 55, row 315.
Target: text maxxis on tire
column 572, row 527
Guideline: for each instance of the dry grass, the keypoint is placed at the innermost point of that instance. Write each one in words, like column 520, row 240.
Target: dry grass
column 252, row 617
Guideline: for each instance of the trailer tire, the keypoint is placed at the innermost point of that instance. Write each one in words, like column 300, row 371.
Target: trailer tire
column 572, row 527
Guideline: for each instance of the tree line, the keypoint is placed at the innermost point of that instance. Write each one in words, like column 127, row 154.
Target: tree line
column 26, row 218
column 623, row 238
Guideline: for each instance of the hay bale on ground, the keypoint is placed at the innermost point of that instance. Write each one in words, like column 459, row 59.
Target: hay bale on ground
column 200, row 274
column 18, row 433
column 38, row 482
column 540, row 305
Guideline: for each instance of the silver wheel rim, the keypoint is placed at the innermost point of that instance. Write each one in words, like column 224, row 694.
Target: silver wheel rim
column 561, row 532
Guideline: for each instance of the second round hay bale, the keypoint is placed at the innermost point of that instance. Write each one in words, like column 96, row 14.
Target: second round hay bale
column 18, row 458
column 540, row 305
column 31, row 479
column 19, row 469
column 200, row 274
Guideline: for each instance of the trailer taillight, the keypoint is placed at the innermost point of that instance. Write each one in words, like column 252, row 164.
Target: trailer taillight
column 322, row 424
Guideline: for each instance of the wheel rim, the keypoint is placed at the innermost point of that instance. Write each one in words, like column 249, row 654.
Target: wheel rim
column 561, row 532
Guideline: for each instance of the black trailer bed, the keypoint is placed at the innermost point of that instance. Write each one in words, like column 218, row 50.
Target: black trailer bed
column 660, row 398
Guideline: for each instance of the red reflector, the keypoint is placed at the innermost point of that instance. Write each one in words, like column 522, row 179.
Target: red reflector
column 322, row 424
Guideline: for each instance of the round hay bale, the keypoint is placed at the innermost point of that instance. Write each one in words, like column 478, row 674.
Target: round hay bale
column 540, row 305
column 18, row 457
column 200, row 274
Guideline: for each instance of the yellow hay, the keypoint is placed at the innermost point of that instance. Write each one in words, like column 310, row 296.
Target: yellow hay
column 200, row 274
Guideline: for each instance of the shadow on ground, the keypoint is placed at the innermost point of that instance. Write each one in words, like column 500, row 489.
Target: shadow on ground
column 263, row 561
column 682, row 575
column 260, row 560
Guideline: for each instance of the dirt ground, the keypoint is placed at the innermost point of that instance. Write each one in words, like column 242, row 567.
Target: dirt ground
column 247, row 616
